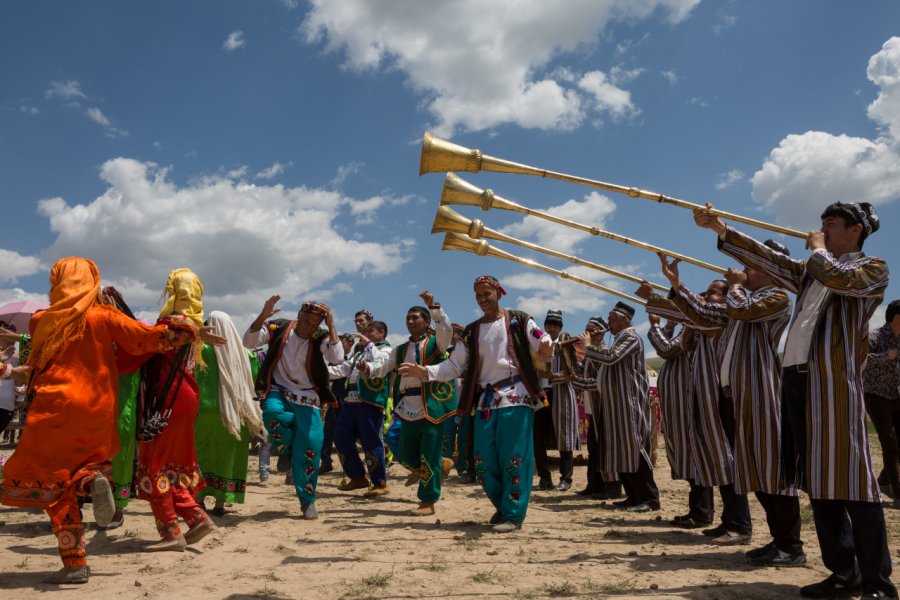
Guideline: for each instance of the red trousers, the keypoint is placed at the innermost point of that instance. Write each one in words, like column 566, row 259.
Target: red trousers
column 65, row 517
column 178, row 502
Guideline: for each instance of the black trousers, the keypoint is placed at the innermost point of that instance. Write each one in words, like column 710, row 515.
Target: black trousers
column 793, row 424
column 853, row 539
column 640, row 486
column 5, row 417
column 783, row 519
column 735, row 508
column 885, row 415
column 544, row 435
column 700, row 502
column 328, row 438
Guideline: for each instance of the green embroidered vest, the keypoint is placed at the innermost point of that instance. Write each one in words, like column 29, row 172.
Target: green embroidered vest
column 376, row 390
column 439, row 397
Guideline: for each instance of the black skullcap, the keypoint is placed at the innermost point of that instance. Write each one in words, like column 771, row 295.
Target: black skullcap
column 777, row 247
column 553, row 317
column 624, row 310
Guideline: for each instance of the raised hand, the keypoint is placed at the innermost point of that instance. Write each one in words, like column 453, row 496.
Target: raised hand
column 670, row 269
column 815, row 240
column 654, row 319
column 269, row 308
column 703, row 218
column 427, row 297
column 735, row 277
column 645, row 290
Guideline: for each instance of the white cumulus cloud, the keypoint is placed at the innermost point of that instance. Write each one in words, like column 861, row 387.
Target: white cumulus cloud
column 274, row 170
column 726, row 180
column 245, row 241
column 14, row 265
column 810, row 170
column 96, row 115
column 64, row 90
column 481, row 64
column 593, row 210
column 234, row 41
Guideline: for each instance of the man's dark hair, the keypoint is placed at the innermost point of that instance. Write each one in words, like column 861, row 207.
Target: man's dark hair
column 723, row 283
column 380, row 326
column 854, row 214
column 8, row 326
column 893, row 309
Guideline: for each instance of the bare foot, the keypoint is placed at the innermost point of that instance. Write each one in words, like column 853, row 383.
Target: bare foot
column 200, row 531
column 176, row 543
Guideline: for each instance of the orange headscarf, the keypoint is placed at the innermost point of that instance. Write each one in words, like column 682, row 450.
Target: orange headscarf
column 74, row 288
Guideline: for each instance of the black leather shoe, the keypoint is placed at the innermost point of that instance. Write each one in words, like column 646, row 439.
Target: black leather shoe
column 877, row 595
column 588, row 491
column 761, row 551
column 326, row 468
column 545, row 483
column 644, row 507
column 608, row 495
column 777, row 558
column 626, row 503
column 690, row 523
column 715, row 531
column 831, row 588
column 284, row 463
column 563, row 485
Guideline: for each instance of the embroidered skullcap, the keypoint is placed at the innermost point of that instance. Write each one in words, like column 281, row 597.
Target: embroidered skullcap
column 315, row 307
column 491, row 281
column 366, row 313
column 859, row 212
column 554, row 317
column 777, row 247
column 624, row 310
column 346, row 337
column 599, row 322
column 426, row 314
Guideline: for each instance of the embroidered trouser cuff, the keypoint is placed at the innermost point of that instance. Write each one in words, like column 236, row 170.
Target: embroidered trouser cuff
column 177, row 503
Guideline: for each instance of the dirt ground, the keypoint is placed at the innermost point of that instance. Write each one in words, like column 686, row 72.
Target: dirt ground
column 569, row 547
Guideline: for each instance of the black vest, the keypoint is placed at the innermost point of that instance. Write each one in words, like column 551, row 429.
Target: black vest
column 316, row 368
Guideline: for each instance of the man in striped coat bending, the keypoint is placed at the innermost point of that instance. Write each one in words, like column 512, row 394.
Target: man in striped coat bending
column 825, row 441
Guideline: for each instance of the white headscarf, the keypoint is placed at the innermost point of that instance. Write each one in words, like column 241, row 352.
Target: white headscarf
column 236, row 393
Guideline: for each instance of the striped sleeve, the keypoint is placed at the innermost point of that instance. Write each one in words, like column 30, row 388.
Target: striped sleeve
column 667, row 346
column 786, row 271
column 626, row 344
column 708, row 315
column 860, row 278
column 762, row 305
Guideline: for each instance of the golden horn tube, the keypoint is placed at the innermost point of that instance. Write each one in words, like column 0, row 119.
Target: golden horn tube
column 458, row 241
column 458, row 191
column 448, row 220
column 440, row 155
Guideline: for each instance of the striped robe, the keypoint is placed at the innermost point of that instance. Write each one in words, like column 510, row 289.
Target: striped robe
column 838, row 459
column 676, row 396
column 624, row 402
column 564, row 409
column 710, row 451
column 753, row 327
column 587, row 384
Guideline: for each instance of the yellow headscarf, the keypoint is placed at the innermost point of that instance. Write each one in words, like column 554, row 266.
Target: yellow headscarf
column 184, row 295
column 74, row 288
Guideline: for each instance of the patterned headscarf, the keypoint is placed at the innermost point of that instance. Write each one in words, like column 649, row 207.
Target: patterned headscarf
column 492, row 281
column 184, row 295
column 315, row 307
column 74, row 288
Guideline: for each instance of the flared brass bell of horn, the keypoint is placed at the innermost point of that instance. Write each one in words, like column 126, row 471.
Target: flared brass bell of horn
column 448, row 220
column 439, row 155
column 458, row 241
column 458, row 191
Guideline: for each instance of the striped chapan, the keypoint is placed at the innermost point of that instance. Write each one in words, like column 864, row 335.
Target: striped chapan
column 838, row 459
column 624, row 402
column 676, row 397
column 754, row 322
column 564, row 409
column 587, row 384
column 710, row 448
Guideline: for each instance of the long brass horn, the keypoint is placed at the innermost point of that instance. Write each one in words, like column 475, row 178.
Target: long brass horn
column 440, row 155
column 458, row 241
column 448, row 220
column 458, row 191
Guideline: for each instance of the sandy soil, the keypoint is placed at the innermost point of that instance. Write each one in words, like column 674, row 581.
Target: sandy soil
column 569, row 547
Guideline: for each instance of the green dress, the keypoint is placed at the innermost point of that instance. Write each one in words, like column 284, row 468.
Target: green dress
column 222, row 458
column 123, row 461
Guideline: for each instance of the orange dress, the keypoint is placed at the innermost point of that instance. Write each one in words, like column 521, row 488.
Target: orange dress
column 72, row 421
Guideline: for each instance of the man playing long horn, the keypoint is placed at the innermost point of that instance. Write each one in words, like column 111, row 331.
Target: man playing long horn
column 825, row 440
column 624, row 392
column 423, row 407
column 713, row 424
column 503, row 386
column 677, row 397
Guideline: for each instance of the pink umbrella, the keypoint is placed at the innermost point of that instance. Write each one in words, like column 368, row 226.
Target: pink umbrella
column 19, row 313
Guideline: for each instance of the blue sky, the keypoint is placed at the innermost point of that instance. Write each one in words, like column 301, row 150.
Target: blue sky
column 273, row 146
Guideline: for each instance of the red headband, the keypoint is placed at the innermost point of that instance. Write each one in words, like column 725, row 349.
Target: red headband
column 491, row 281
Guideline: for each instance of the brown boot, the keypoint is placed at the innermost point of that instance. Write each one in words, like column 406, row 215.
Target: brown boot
column 176, row 543
column 423, row 510
column 357, row 483
column 446, row 465
column 199, row 531
column 70, row 575
column 412, row 478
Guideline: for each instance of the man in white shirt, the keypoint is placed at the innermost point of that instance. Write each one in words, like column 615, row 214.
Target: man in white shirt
column 294, row 380
column 502, row 385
